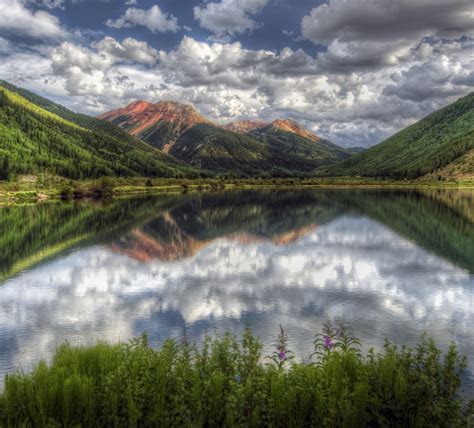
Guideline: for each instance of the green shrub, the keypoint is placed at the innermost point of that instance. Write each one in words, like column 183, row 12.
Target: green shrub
column 224, row 382
column 66, row 192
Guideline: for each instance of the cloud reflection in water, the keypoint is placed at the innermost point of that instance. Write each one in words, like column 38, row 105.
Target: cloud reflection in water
column 351, row 267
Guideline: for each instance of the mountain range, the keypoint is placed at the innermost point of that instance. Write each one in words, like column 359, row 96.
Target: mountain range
column 246, row 148
column 172, row 139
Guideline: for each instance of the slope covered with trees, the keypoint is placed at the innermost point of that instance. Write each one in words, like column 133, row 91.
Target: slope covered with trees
column 422, row 148
column 37, row 139
column 216, row 149
column 310, row 148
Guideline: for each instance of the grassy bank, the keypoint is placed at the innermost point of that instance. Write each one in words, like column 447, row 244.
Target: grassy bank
column 224, row 382
column 43, row 187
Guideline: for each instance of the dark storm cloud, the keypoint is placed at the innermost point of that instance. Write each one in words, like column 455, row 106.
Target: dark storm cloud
column 375, row 33
column 387, row 20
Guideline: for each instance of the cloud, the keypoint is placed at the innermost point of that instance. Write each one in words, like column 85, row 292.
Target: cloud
column 373, row 33
column 346, row 265
column 84, row 71
column 129, row 50
column 104, row 74
column 48, row 4
column 16, row 19
column 154, row 19
column 199, row 63
column 430, row 80
column 229, row 17
column 227, row 81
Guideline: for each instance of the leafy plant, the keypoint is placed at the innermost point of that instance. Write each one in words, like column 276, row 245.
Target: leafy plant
column 223, row 382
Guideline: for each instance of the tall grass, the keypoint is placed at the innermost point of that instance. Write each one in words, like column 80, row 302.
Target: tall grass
column 226, row 382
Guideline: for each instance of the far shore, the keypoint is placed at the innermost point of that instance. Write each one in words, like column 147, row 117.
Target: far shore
column 46, row 188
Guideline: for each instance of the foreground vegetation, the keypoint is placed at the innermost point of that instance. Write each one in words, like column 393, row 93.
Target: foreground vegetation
column 229, row 383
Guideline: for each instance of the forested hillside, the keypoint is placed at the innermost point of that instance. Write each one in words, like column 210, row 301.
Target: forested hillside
column 422, row 148
column 292, row 144
column 35, row 139
column 216, row 149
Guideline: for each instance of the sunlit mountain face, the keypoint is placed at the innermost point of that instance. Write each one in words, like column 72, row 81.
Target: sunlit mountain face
column 209, row 263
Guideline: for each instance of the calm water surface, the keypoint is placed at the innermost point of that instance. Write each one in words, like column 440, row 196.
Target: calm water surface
column 393, row 264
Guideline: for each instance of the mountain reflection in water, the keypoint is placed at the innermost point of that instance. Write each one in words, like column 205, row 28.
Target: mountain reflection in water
column 391, row 263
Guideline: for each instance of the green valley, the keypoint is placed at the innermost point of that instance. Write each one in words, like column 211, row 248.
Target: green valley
column 172, row 140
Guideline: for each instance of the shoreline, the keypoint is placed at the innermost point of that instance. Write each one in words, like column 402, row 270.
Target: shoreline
column 12, row 193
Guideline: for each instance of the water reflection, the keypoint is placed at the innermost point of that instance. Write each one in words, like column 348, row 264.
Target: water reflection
column 393, row 264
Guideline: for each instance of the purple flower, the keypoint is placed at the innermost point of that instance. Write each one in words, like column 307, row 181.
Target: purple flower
column 328, row 342
column 282, row 355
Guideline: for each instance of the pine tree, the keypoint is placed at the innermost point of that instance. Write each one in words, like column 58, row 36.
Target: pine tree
column 5, row 170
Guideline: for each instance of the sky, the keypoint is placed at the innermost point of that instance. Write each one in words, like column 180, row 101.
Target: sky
column 353, row 71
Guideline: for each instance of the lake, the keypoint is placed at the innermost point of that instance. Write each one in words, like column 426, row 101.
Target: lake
column 391, row 263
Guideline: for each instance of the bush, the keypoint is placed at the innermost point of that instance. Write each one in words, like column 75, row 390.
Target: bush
column 227, row 383
column 66, row 192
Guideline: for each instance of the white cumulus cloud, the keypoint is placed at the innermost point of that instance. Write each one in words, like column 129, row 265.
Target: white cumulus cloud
column 154, row 19
column 229, row 17
column 16, row 18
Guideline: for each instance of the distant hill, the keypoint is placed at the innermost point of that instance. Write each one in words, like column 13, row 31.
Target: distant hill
column 39, row 135
column 159, row 124
column 292, row 140
column 226, row 152
column 443, row 138
column 356, row 149
column 282, row 154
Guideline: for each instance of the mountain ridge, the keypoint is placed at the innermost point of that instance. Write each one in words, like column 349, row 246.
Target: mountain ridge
column 289, row 125
column 244, row 126
column 141, row 117
column 427, row 146
column 39, row 135
column 250, row 147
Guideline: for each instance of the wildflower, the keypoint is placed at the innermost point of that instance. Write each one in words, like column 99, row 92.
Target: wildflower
column 237, row 378
column 328, row 342
column 282, row 355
